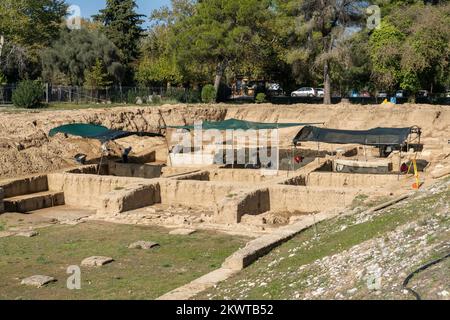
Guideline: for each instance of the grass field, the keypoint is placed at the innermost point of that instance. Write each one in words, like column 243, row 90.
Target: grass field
column 135, row 274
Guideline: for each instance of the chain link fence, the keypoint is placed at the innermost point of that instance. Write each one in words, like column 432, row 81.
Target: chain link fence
column 156, row 95
column 131, row 95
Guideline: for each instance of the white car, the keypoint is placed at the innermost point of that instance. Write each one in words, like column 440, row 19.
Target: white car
column 320, row 92
column 304, row 92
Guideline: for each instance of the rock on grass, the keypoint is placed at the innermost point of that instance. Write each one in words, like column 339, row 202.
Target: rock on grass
column 96, row 261
column 144, row 245
column 38, row 281
column 182, row 232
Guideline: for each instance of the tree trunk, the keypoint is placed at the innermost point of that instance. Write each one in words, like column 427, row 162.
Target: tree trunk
column 327, row 83
column 219, row 74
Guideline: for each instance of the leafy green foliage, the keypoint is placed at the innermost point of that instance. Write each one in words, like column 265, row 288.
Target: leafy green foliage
column 314, row 30
column 28, row 94
column 3, row 79
column 160, row 70
column 260, row 98
column 96, row 77
column 222, row 35
column 209, row 94
column 76, row 51
column 28, row 26
column 411, row 50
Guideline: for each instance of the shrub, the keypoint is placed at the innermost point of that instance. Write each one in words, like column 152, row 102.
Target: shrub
column 132, row 96
column 260, row 98
column 193, row 96
column 156, row 99
column 209, row 94
column 177, row 94
column 224, row 93
column 28, row 94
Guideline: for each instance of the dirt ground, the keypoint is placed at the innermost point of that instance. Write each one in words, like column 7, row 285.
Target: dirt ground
column 25, row 147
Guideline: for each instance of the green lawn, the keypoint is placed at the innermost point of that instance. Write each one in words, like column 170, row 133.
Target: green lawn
column 135, row 274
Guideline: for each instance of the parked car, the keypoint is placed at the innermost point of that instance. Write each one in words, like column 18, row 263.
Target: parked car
column 423, row 94
column 402, row 94
column 320, row 92
column 382, row 95
column 274, row 89
column 365, row 94
column 354, row 94
column 304, row 92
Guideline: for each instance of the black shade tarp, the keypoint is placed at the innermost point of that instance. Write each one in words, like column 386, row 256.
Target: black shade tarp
column 372, row 137
column 235, row 124
column 93, row 131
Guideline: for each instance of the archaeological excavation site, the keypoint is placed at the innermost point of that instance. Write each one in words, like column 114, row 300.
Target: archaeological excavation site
column 198, row 180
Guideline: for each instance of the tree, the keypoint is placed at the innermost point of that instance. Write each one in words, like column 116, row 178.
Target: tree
column 76, row 51
column 158, row 63
column 411, row 50
column 315, row 30
column 96, row 77
column 3, row 79
column 222, row 34
column 122, row 25
column 28, row 26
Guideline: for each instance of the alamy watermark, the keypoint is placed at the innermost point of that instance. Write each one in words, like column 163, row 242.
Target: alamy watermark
column 73, row 20
column 257, row 149
column 374, row 18
column 74, row 280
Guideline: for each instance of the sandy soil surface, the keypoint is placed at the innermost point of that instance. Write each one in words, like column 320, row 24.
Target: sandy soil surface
column 25, row 147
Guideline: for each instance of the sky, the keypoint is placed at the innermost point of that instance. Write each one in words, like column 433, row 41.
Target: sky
column 90, row 7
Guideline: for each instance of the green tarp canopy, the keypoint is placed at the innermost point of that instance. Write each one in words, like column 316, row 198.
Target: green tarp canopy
column 372, row 137
column 234, row 124
column 93, row 131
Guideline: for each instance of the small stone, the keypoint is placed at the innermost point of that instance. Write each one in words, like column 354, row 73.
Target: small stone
column 96, row 261
column 352, row 291
column 28, row 234
column 444, row 293
column 151, row 210
column 182, row 232
column 38, row 281
column 144, row 245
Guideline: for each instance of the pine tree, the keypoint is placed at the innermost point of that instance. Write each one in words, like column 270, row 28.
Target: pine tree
column 96, row 78
column 122, row 25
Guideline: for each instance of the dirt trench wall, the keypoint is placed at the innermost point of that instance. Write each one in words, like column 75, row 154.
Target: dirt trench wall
column 25, row 147
column 199, row 176
column 21, row 186
column 308, row 199
column 134, row 170
column 351, row 180
column 238, row 175
column 253, row 202
column 195, row 193
column 131, row 197
column 82, row 190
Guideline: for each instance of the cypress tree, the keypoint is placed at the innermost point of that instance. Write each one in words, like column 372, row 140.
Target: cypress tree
column 123, row 26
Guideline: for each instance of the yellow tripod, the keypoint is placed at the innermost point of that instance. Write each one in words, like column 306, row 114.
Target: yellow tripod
column 415, row 186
